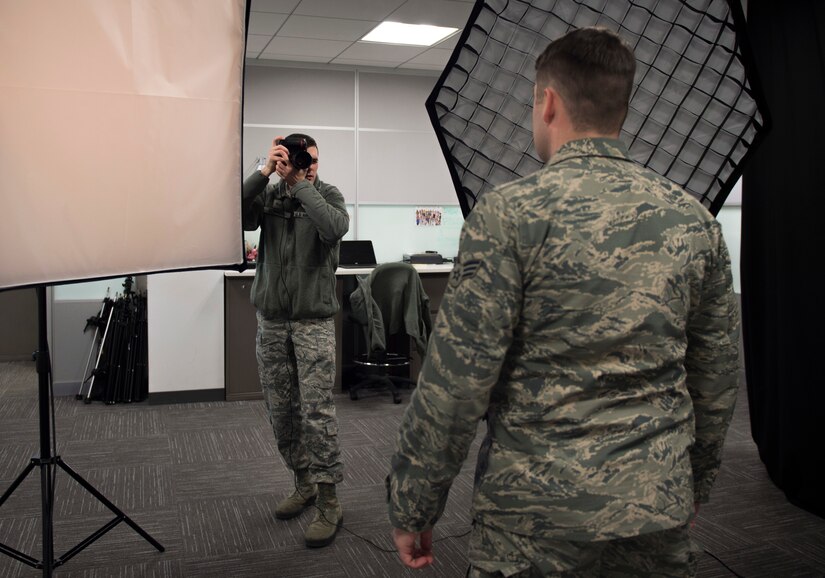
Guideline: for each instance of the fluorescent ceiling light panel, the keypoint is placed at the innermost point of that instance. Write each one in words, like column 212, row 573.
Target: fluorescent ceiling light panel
column 412, row 34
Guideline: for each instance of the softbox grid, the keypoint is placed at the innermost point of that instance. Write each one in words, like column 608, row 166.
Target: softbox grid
column 696, row 111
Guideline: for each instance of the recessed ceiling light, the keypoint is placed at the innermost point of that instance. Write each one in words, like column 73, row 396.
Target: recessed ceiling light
column 411, row 34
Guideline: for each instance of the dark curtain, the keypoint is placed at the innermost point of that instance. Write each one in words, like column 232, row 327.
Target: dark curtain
column 782, row 236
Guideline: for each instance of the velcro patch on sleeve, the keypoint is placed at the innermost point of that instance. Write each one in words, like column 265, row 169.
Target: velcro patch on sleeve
column 464, row 270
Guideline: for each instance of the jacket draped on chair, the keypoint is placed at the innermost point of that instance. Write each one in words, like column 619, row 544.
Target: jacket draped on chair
column 391, row 300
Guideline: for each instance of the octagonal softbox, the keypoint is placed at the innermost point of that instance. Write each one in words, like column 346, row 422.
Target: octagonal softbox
column 696, row 110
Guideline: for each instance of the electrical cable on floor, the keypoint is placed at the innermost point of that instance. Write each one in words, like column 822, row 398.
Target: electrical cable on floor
column 728, row 568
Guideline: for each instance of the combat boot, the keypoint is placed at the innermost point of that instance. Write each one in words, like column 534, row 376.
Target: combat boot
column 299, row 500
column 329, row 517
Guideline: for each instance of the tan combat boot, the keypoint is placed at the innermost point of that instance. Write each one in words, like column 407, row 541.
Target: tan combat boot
column 329, row 517
column 299, row 500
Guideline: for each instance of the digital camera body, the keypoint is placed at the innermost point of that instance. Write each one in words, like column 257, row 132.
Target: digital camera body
column 298, row 155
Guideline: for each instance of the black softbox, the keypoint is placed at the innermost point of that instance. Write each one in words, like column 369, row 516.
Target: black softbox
column 696, row 111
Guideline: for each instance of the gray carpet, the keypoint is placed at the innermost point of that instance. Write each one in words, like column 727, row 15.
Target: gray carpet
column 203, row 479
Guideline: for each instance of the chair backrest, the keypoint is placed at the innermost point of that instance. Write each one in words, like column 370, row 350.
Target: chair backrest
column 397, row 290
column 393, row 286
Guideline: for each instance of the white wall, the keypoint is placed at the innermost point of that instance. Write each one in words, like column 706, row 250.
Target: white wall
column 186, row 331
column 731, row 220
column 375, row 139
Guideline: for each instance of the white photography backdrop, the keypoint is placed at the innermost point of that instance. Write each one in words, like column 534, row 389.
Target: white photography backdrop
column 120, row 137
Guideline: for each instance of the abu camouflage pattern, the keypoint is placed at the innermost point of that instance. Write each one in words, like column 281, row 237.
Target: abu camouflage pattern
column 296, row 363
column 591, row 318
column 495, row 553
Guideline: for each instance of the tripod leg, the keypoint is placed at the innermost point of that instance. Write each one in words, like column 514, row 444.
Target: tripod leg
column 99, row 355
column 16, row 483
column 92, row 348
column 47, row 495
column 86, row 369
column 92, row 490
column 114, row 354
column 130, row 358
column 18, row 555
column 142, row 379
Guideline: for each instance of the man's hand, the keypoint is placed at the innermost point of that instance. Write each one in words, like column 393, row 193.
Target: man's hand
column 278, row 162
column 412, row 555
column 275, row 155
column 289, row 173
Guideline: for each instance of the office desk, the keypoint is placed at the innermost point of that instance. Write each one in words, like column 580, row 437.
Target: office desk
column 241, row 367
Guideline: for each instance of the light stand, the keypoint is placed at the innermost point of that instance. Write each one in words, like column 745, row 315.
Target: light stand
column 48, row 464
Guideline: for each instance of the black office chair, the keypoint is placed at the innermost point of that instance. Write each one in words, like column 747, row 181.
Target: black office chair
column 390, row 302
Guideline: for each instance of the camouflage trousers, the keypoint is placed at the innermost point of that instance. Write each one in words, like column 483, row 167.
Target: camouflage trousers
column 495, row 553
column 296, row 364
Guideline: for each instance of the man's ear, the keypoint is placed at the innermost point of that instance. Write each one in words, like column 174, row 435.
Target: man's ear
column 550, row 105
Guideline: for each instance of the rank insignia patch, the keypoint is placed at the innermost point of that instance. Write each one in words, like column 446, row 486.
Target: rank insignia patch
column 464, row 270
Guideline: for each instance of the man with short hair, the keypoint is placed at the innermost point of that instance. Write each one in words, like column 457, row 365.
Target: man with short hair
column 302, row 221
column 591, row 319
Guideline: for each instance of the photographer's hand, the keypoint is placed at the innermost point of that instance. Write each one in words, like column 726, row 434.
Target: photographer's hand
column 290, row 174
column 277, row 154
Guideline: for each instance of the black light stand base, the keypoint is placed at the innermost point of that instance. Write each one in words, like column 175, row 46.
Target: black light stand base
column 47, row 464
column 46, row 467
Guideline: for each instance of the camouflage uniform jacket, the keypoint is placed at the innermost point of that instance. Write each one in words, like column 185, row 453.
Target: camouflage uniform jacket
column 298, row 252
column 591, row 317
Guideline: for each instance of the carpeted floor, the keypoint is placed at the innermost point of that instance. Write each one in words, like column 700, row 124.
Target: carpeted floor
column 203, row 480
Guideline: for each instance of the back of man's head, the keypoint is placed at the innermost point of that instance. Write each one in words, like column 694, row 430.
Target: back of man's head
column 592, row 69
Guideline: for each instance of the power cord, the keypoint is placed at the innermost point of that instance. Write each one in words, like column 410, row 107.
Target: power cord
column 339, row 524
column 728, row 568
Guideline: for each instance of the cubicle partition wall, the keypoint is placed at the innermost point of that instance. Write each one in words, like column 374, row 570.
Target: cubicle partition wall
column 376, row 145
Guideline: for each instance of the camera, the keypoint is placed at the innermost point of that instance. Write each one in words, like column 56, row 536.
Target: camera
column 298, row 155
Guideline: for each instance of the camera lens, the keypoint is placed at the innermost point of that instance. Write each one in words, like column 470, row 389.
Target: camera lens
column 301, row 160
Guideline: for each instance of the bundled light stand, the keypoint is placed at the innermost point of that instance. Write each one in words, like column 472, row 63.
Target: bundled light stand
column 120, row 372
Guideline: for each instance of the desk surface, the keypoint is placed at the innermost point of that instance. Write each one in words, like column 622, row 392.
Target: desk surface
column 421, row 268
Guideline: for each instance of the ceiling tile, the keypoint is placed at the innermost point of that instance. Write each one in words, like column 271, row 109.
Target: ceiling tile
column 356, row 62
column 450, row 42
column 288, row 47
column 373, row 10
column 255, row 43
column 433, row 56
column 280, row 6
column 327, row 31
column 381, row 52
column 410, row 66
column 265, row 22
column 433, row 12
column 294, row 58
column 325, row 28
